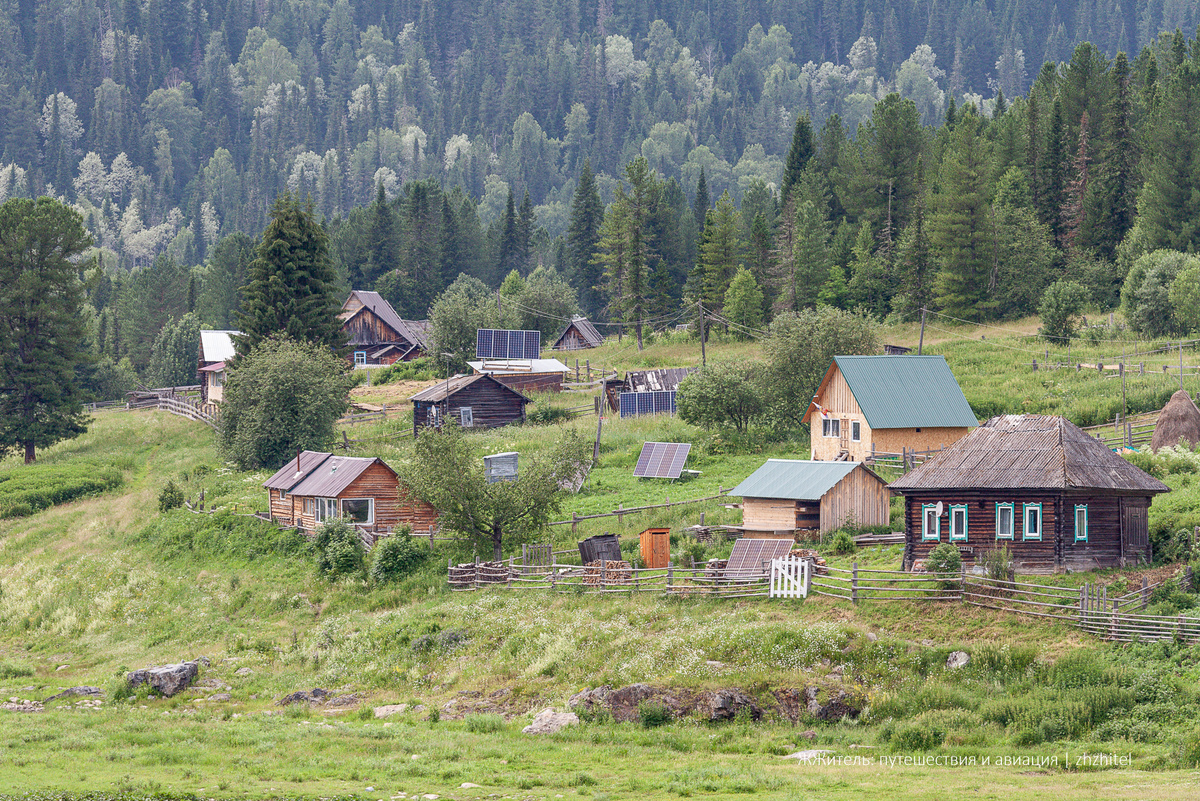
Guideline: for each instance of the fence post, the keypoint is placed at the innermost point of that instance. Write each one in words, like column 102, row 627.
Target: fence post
column 510, row 571
column 1035, row 364
column 962, row 581
column 574, row 521
column 1082, row 602
column 603, row 572
column 588, row 362
column 854, row 583
column 1112, row 624
column 1145, row 593
column 620, row 517
column 670, row 576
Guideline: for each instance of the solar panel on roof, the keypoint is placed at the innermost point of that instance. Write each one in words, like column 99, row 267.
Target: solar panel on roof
column 662, row 459
column 633, row 404
column 492, row 343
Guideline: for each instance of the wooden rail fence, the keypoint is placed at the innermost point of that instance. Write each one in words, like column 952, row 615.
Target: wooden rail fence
column 620, row 511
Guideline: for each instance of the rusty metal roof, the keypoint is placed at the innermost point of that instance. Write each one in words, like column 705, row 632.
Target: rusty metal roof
column 1029, row 451
column 661, row 380
column 446, row 389
column 321, row 475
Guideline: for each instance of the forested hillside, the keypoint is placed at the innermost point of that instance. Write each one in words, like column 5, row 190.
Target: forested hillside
column 936, row 163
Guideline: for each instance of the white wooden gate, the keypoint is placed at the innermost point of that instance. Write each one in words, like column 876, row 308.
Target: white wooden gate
column 789, row 577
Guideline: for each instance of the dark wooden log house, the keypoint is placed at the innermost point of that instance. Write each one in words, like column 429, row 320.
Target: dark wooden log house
column 472, row 401
column 317, row 486
column 376, row 334
column 1056, row 497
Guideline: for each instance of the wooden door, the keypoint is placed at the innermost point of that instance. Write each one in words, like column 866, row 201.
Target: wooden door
column 1135, row 535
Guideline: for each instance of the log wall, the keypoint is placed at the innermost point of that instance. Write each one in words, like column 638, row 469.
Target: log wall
column 492, row 405
column 1031, row 556
column 377, row 482
column 532, row 382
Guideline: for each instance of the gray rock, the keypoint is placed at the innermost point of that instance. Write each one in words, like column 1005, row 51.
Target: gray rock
column 809, row 735
column 809, row 755
column 243, row 671
column 221, row 697
column 726, row 704
column 957, row 659
column 872, row 636
column 167, row 679
column 590, row 698
column 315, row 696
column 388, row 710
column 88, row 692
column 548, row 721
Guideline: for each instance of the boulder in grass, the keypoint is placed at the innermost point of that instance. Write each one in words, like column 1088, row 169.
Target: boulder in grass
column 86, row 692
column 166, row 680
column 957, row 660
column 548, row 722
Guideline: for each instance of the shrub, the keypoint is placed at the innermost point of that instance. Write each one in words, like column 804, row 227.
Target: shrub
column 946, row 562
column 931, row 729
column 339, row 551
column 483, row 724
column 842, row 543
column 10, row 671
column 1061, row 305
column 544, row 414
column 395, row 557
column 171, row 497
column 653, row 713
column 997, row 563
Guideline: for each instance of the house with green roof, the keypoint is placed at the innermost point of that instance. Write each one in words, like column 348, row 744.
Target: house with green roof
column 872, row 405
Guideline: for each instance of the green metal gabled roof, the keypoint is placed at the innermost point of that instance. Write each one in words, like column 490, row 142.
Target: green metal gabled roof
column 794, row 479
column 906, row 391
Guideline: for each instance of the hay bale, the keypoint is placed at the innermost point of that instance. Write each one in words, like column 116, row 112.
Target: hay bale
column 1179, row 419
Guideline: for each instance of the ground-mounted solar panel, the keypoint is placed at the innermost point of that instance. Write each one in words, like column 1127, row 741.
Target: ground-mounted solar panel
column 662, row 459
column 634, row 404
column 494, row 343
column 751, row 558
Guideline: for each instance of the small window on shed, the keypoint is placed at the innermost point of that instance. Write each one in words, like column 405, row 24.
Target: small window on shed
column 359, row 510
column 856, row 431
column 1033, row 521
column 931, row 524
column 825, row 421
column 1081, row 526
column 465, row 416
column 1004, row 521
column 958, row 522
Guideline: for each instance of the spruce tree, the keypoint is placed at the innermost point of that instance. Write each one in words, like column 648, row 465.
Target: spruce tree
column 799, row 154
column 1112, row 201
column 583, row 236
column 507, row 258
column 720, row 252
column 703, row 201
column 1052, row 170
column 961, row 230
column 291, row 282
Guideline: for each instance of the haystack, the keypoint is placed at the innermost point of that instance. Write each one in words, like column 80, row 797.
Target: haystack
column 1179, row 419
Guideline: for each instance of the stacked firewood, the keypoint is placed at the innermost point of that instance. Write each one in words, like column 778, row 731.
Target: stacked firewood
column 818, row 561
column 607, row 573
column 469, row 574
column 715, row 568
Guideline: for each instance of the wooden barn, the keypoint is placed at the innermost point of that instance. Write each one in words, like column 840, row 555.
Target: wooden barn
column 525, row 375
column 578, row 335
column 216, row 348
column 316, row 486
column 376, row 334
column 664, row 379
column 786, row 497
column 886, row 404
column 473, row 401
column 1058, row 499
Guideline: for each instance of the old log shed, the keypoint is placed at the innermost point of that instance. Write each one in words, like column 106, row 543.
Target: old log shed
column 473, row 401
column 1040, row 486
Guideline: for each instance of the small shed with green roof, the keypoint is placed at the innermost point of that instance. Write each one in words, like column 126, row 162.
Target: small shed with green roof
column 868, row 406
column 786, row 497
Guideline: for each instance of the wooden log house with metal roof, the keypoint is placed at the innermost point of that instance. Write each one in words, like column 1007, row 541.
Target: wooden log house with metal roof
column 376, row 334
column 216, row 348
column 1056, row 497
column 578, row 335
column 524, row 375
column 472, row 401
column 789, row 497
column 315, row 487
column 867, row 405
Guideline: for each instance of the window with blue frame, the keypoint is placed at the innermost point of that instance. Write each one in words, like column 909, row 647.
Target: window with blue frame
column 931, row 524
column 958, row 522
column 1033, row 521
column 1081, row 523
column 1005, row 521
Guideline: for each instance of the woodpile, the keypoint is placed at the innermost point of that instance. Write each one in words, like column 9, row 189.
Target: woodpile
column 818, row 562
column 470, row 574
column 715, row 568
column 607, row 573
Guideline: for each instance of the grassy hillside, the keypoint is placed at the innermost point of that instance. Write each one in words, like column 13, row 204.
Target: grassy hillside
column 98, row 585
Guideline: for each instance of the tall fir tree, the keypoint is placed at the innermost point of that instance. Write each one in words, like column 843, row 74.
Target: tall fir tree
column 1052, row 172
column 960, row 231
column 1112, row 199
column 703, row 201
column 798, row 156
column 583, row 236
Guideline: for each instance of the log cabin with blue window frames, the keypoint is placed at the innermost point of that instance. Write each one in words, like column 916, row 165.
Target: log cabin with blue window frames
column 1040, row 486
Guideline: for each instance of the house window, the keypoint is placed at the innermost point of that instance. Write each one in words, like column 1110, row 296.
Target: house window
column 309, row 506
column 1081, row 523
column 958, row 522
column 216, row 379
column 1004, row 521
column 465, row 416
column 360, row 358
column 282, row 494
column 359, row 510
column 931, row 524
column 1033, row 521
column 831, row 427
column 856, row 431
column 327, row 509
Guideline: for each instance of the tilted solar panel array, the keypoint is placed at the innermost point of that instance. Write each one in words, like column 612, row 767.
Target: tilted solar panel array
column 634, row 404
column 662, row 459
column 493, row 343
column 751, row 558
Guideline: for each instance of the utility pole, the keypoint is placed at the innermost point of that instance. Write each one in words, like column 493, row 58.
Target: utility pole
column 703, row 356
column 921, row 343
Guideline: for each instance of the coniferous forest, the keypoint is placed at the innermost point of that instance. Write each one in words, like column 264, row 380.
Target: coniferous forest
column 626, row 159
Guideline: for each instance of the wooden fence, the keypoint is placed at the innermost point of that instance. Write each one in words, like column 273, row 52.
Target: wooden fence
column 860, row 584
column 1132, row 432
column 620, row 511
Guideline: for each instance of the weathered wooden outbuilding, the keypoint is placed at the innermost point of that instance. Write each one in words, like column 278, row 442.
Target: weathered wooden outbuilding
column 376, row 334
column 578, row 335
column 472, row 401
column 1057, row 498
column 794, row 496
column 524, row 375
column 315, row 487
column 871, row 404
column 664, row 379
column 216, row 348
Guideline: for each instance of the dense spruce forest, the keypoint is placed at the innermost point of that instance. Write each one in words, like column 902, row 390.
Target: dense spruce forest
column 626, row 159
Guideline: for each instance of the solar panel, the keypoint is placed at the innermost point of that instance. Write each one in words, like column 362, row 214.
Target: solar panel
column 633, row 404
column 492, row 343
column 662, row 459
column 751, row 558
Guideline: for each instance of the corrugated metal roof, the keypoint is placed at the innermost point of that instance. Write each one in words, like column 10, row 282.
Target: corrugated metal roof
column 217, row 346
column 373, row 301
column 445, row 389
column 289, row 476
column 215, row 367
column 1029, row 451
column 795, row 479
column 518, row 366
column 661, row 380
column 906, row 391
column 330, row 478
